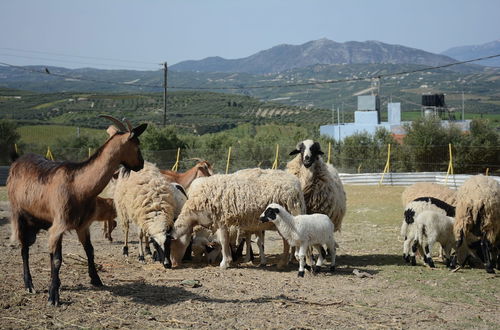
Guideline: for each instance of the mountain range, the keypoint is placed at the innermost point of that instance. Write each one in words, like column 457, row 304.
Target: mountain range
column 464, row 53
column 323, row 51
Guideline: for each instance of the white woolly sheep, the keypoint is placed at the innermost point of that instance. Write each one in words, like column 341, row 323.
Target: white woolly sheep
column 412, row 210
column 428, row 189
column 303, row 232
column 205, row 245
column 477, row 225
column 432, row 227
column 320, row 182
column 146, row 199
column 221, row 201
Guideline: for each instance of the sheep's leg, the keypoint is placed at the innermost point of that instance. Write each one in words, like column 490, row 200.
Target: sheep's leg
column 141, row 246
column 286, row 251
column 248, row 244
column 427, row 256
column 302, row 260
column 321, row 258
column 487, row 249
column 147, row 249
column 84, row 237
column 260, row 244
column 333, row 255
column 55, row 248
column 414, row 248
column 406, row 249
column 226, row 250
column 125, row 242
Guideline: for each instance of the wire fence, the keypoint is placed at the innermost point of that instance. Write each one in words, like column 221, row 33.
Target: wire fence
column 347, row 159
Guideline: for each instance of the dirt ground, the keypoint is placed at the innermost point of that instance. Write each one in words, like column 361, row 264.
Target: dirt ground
column 147, row 296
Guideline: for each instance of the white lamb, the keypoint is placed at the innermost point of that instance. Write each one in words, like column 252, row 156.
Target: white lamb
column 432, row 227
column 303, row 232
column 412, row 210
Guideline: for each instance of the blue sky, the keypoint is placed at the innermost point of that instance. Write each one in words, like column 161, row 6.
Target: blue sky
column 148, row 32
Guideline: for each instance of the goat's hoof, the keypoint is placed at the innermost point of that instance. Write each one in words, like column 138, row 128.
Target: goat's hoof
column 406, row 257
column 413, row 261
column 332, row 268
column 300, row 274
column 30, row 289
column 167, row 265
column 316, row 269
column 96, row 282
column 141, row 259
column 53, row 300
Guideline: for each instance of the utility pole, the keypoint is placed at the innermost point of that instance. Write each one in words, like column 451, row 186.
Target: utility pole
column 463, row 106
column 165, row 94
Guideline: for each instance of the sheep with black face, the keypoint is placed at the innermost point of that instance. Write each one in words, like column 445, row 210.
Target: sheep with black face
column 320, row 182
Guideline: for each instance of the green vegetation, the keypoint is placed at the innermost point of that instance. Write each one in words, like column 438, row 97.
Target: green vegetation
column 8, row 137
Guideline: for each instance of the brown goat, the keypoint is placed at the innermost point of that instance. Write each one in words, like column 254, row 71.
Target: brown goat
column 201, row 169
column 61, row 196
column 105, row 211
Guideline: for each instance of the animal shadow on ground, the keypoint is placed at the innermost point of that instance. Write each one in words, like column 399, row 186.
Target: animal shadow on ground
column 4, row 221
column 145, row 293
column 370, row 260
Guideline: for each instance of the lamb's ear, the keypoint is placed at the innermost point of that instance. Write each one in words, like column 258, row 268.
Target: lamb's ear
column 138, row 131
column 276, row 210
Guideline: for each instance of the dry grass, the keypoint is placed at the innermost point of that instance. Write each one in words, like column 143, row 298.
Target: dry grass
column 148, row 296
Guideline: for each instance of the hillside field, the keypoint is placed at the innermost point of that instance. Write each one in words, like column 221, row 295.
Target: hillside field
column 135, row 295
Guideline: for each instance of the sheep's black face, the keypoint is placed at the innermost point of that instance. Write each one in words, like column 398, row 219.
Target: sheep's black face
column 477, row 249
column 163, row 251
column 409, row 216
column 269, row 214
column 310, row 152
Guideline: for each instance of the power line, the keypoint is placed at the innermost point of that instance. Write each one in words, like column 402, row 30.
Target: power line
column 333, row 81
column 79, row 56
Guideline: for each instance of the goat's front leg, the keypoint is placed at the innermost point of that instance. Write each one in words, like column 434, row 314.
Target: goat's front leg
column 55, row 248
column 226, row 249
column 84, row 237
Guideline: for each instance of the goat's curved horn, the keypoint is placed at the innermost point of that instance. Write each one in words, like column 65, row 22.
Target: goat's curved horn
column 115, row 121
column 130, row 128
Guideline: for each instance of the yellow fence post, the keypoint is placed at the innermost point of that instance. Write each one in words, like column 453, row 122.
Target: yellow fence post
column 16, row 148
column 329, row 153
column 387, row 164
column 275, row 164
column 176, row 165
column 450, row 165
column 49, row 154
column 487, row 171
column 90, row 152
column 228, row 159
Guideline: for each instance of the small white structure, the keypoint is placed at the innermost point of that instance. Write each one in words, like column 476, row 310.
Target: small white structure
column 367, row 119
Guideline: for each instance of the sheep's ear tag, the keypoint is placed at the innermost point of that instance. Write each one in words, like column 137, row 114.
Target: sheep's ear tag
column 138, row 131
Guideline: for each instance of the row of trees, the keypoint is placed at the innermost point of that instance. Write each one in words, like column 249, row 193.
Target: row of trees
column 425, row 147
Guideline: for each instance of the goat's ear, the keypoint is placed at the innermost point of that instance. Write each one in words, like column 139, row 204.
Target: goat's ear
column 112, row 130
column 136, row 132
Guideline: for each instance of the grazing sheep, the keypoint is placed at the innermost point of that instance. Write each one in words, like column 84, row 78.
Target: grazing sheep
column 221, row 201
column 477, row 225
column 412, row 210
column 320, row 182
column 303, row 232
column 61, row 196
column 146, row 199
column 432, row 227
column 205, row 245
column 428, row 189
